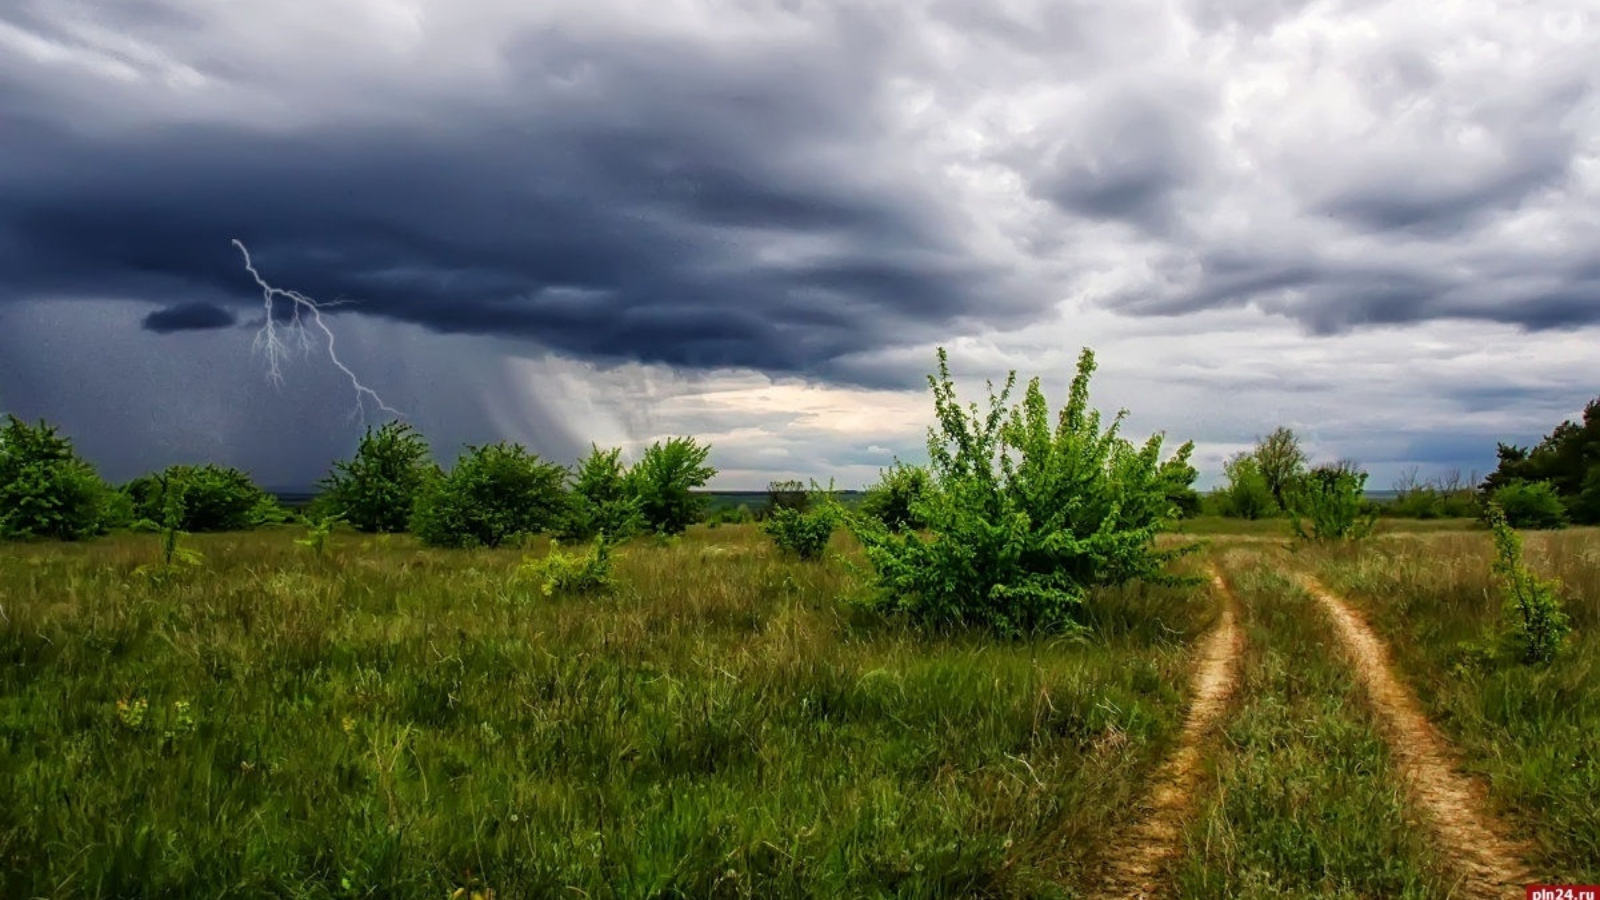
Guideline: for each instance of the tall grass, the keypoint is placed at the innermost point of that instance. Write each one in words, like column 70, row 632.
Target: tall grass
column 1531, row 732
column 385, row 720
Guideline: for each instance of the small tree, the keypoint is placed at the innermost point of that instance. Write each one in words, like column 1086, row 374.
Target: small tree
column 1026, row 515
column 894, row 500
column 790, row 494
column 494, row 494
column 376, row 490
column 1247, row 494
column 1329, row 503
column 1282, row 463
column 664, row 480
column 211, row 498
column 602, row 499
column 1533, row 605
column 1179, row 476
column 804, row 531
column 46, row 490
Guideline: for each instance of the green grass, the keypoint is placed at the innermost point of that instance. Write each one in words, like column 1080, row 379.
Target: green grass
column 1532, row 733
column 397, row 722
column 1281, row 527
column 1304, row 799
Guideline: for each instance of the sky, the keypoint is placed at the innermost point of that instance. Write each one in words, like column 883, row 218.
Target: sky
column 754, row 222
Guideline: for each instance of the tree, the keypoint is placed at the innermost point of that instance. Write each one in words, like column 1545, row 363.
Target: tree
column 1282, row 463
column 602, row 499
column 495, row 493
column 1568, row 458
column 46, row 490
column 804, row 530
column 1028, row 512
column 895, row 499
column 209, row 498
column 376, row 490
column 1329, row 503
column 664, row 480
column 1179, row 475
column 1247, row 494
column 789, row 494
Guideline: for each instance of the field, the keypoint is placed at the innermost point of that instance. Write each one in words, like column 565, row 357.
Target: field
column 386, row 720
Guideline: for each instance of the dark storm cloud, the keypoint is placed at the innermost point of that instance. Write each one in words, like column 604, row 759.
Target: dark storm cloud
column 194, row 316
column 624, row 216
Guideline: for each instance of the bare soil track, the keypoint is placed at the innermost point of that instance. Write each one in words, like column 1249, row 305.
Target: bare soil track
column 1134, row 866
column 1489, row 863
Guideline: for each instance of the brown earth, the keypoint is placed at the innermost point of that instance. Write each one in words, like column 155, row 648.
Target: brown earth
column 1134, row 866
column 1489, row 863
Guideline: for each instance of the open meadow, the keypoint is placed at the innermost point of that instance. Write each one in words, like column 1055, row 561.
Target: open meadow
column 388, row 720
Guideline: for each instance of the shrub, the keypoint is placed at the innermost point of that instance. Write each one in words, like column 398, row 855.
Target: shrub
column 602, row 500
column 664, row 480
column 495, row 493
column 1025, row 518
column 1329, row 503
column 1529, row 504
column 894, row 500
column 1246, row 495
column 210, row 497
column 46, row 490
column 561, row 574
column 804, row 531
column 1538, row 623
column 376, row 490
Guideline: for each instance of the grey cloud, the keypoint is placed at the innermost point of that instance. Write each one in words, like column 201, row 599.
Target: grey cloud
column 193, row 316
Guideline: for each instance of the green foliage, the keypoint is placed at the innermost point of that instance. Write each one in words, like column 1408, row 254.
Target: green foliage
column 1179, row 475
column 1247, row 494
column 1568, row 458
column 895, row 499
column 1538, row 623
column 318, row 530
column 664, row 480
column 376, row 490
column 1447, row 496
column 212, row 497
column 789, row 494
column 602, row 499
column 564, row 575
column 169, row 525
column 1329, row 504
column 804, row 530
column 46, row 490
column 494, row 494
column 1529, row 504
column 1026, row 516
column 1282, row 463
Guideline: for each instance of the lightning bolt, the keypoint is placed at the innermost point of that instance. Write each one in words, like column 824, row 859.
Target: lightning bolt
column 275, row 344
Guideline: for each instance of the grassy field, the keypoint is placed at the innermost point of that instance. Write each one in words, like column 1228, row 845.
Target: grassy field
column 1531, row 732
column 390, row 721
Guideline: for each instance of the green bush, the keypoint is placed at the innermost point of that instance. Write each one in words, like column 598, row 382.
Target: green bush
column 664, row 480
column 1529, row 504
column 1568, row 458
column 211, row 498
column 494, row 494
column 1538, row 624
column 1329, row 503
column 1028, row 512
column 602, row 499
column 377, row 489
column 894, row 500
column 46, row 490
column 1247, row 494
column 563, row 575
column 804, row 531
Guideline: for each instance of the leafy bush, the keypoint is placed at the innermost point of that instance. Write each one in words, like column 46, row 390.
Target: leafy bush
column 805, row 531
column 376, row 490
column 1247, row 494
column 46, row 490
column 1529, row 504
column 211, row 497
column 495, row 493
column 602, row 499
column 664, row 480
column 893, row 501
column 1025, row 518
column 1329, row 503
column 561, row 574
column 1538, row 623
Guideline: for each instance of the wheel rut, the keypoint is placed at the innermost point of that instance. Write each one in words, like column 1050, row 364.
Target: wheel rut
column 1479, row 846
column 1134, row 867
